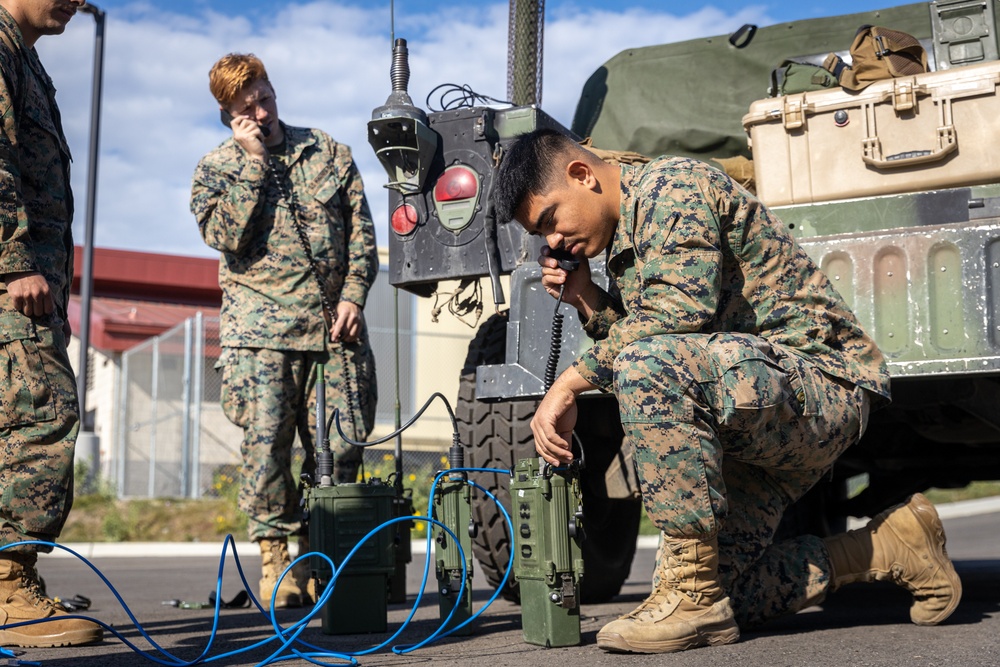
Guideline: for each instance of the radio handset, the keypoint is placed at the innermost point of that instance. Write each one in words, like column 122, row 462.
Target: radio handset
column 567, row 262
column 227, row 121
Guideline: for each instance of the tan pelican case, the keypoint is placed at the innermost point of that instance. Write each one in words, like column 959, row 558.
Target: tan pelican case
column 928, row 131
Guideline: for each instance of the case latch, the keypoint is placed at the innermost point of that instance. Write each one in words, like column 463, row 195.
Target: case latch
column 794, row 112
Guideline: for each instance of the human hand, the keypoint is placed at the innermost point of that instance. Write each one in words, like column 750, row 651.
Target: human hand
column 553, row 425
column 555, row 417
column 31, row 293
column 347, row 324
column 578, row 287
column 249, row 135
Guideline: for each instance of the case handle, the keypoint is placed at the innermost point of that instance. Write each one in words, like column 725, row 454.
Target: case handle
column 947, row 142
column 871, row 146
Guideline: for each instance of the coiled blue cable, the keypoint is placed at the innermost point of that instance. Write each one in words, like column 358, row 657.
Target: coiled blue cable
column 290, row 635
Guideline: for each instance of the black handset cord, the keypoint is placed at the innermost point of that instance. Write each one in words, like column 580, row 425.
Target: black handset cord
column 288, row 194
column 555, row 344
column 569, row 264
column 555, row 349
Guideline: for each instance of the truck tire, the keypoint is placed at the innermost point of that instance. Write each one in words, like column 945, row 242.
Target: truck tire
column 497, row 435
column 817, row 513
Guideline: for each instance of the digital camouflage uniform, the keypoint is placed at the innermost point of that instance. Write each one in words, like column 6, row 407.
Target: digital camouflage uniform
column 272, row 326
column 740, row 373
column 39, row 418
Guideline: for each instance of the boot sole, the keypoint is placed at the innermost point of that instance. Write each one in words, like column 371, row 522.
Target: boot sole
column 288, row 602
column 928, row 517
column 70, row 638
column 710, row 635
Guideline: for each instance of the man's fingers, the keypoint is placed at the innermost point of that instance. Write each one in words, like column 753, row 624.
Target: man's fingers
column 30, row 294
column 338, row 327
column 548, row 447
column 351, row 332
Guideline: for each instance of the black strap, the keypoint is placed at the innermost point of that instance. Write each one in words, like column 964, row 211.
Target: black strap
column 288, row 194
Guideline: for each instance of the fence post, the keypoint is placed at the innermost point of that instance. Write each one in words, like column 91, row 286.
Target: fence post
column 122, row 429
column 186, row 412
column 197, row 396
column 154, row 395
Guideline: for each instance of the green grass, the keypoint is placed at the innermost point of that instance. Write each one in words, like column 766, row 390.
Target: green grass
column 937, row 496
column 98, row 516
column 970, row 492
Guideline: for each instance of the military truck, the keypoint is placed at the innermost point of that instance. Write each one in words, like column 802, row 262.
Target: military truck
column 920, row 268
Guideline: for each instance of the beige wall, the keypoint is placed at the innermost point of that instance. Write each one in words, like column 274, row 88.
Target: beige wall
column 101, row 398
column 439, row 354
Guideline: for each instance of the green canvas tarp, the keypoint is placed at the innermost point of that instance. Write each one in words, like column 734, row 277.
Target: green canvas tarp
column 688, row 98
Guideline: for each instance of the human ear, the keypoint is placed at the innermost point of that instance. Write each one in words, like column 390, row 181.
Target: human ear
column 578, row 171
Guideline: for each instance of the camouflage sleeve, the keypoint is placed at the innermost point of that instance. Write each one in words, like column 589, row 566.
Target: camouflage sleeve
column 16, row 253
column 362, row 253
column 224, row 198
column 678, row 266
column 607, row 311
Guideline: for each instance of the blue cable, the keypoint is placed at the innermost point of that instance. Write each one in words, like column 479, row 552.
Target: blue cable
column 289, row 636
column 437, row 634
column 172, row 660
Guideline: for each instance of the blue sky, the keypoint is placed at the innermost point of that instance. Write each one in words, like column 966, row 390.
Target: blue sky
column 329, row 62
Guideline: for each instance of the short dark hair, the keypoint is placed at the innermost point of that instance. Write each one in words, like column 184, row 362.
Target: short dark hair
column 527, row 169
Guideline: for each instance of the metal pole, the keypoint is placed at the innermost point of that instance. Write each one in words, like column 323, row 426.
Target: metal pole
column 154, row 393
column 324, row 459
column 398, row 407
column 87, row 271
column 121, row 430
column 185, row 472
column 198, row 394
column 524, row 52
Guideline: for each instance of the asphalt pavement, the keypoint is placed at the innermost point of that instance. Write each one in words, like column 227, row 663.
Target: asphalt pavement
column 861, row 625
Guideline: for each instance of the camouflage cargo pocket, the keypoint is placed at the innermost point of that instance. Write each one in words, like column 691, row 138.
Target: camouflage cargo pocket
column 238, row 367
column 25, row 393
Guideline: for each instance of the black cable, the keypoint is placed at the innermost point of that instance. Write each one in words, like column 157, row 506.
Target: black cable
column 329, row 315
column 456, row 96
column 555, row 344
column 335, row 417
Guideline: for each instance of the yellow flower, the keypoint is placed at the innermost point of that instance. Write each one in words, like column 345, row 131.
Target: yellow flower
column 413, row 477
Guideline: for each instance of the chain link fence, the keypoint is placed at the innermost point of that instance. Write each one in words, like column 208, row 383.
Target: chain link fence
column 173, row 440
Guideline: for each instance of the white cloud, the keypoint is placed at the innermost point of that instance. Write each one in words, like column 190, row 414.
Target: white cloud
column 330, row 66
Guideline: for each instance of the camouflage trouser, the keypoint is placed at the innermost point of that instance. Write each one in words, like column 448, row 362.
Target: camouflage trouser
column 727, row 431
column 271, row 395
column 39, row 421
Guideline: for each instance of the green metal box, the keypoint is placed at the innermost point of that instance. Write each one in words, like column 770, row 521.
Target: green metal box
column 548, row 562
column 339, row 517
column 451, row 507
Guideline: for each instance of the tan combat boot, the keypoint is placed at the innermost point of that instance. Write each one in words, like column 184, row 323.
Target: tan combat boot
column 21, row 599
column 686, row 609
column 905, row 545
column 274, row 560
column 303, row 573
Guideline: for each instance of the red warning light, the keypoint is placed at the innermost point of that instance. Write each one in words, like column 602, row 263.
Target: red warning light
column 404, row 219
column 456, row 183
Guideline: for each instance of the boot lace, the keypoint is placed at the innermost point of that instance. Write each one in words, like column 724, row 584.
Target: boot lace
column 31, row 589
column 665, row 590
